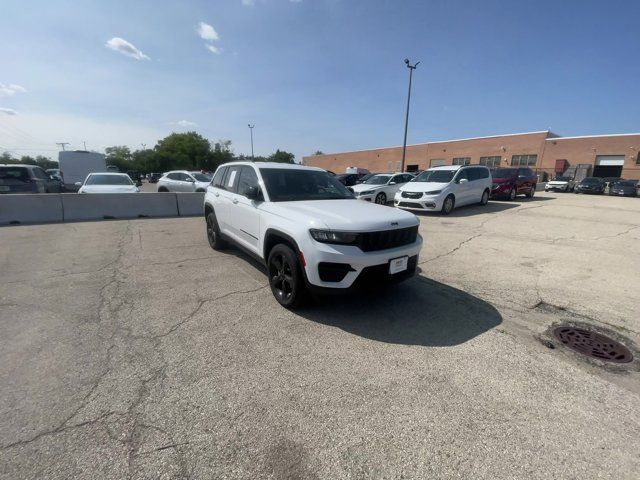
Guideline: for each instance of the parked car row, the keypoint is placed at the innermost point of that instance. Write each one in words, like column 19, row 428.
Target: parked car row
column 594, row 185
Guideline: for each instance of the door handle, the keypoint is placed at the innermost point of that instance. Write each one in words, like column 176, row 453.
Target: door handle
column 217, row 194
column 235, row 200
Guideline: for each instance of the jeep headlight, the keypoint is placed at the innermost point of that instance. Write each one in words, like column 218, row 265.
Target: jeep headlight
column 368, row 192
column 433, row 192
column 329, row 236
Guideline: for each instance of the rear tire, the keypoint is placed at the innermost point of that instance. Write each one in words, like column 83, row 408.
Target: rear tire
column 448, row 205
column 285, row 276
column 512, row 195
column 163, row 189
column 213, row 233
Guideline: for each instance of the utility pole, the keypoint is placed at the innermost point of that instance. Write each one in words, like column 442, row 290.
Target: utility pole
column 251, row 130
column 406, row 120
column 144, row 146
column 62, row 144
column 85, row 146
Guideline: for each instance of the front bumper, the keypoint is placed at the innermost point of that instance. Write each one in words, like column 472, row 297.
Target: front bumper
column 367, row 198
column 561, row 188
column 362, row 264
column 425, row 203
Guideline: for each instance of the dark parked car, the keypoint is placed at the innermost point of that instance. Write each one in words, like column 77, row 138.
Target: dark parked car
column 591, row 185
column 27, row 179
column 509, row 182
column 626, row 188
column 609, row 181
column 366, row 177
column 154, row 177
column 348, row 179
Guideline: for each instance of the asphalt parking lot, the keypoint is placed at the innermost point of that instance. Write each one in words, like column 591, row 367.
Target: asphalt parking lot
column 130, row 349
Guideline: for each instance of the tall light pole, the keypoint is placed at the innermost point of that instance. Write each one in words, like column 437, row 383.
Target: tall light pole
column 251, row 130
column 406, row 119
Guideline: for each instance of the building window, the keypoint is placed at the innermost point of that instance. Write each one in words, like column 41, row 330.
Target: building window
column 462, row 161
column 524, row 160
column 389, row 166
column 490, row 161
column 398, row 165
column 437, row 162
column 638, row 159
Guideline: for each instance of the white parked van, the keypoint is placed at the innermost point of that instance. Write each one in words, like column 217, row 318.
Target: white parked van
column 444, row 188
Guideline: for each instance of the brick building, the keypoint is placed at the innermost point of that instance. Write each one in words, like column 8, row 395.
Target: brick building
column 545, row 152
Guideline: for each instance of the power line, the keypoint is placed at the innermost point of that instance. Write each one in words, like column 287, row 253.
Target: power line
column 62, row 144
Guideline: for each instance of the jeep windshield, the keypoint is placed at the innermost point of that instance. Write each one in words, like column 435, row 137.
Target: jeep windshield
column 289, row 185
column 435, row 176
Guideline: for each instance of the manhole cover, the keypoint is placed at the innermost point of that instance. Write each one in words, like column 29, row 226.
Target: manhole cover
column 593, row 344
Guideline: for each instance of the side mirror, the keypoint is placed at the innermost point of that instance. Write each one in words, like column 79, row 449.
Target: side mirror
column 78, row 184
column 463, row 180
column 392, row 183
column 253, row 193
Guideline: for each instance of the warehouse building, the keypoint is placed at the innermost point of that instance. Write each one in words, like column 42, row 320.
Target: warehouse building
column 545, row 152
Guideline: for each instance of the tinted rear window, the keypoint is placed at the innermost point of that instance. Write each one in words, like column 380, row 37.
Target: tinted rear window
column 14, row 173
column 504, row 172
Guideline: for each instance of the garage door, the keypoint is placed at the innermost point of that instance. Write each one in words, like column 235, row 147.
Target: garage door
column 610, row 160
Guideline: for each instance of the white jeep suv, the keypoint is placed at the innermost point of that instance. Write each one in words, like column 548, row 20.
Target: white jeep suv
column 308, row 229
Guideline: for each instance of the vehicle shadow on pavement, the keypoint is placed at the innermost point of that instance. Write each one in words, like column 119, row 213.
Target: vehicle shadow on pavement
column 419, row 311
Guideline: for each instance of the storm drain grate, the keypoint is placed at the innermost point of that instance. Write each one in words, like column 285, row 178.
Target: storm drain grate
column 593, row 344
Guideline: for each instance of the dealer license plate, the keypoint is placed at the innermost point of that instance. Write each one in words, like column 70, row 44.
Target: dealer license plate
column 397, row 265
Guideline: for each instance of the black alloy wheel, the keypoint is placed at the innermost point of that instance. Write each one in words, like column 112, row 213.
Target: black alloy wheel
column 285, row 276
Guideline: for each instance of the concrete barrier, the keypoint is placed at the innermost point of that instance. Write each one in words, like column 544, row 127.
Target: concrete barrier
column 190, row 204
column 100, row 206
column 17, row 209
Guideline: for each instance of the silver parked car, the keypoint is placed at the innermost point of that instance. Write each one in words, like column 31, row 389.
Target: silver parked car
column 183, row 181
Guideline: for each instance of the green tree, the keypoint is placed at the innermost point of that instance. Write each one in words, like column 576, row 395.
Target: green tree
column 318, row 152
column 119, row 156
column 189, row 151
column 281, row 156
column 6, row 158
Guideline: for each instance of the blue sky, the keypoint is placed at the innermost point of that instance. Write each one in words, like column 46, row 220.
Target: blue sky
column 313, row 74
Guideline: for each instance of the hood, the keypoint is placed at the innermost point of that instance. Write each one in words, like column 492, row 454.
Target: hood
column 361, row 187
column 500, row 181
column 423, row 186
column 349, row 215
column 623, row 188
column 109, row 189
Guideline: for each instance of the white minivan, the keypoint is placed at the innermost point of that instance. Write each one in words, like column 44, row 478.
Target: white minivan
column 445, row 188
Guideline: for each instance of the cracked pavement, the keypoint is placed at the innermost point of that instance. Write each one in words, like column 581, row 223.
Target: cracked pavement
column 130, row 349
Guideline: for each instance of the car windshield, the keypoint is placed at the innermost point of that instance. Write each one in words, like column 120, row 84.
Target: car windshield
column 201, row 177
column 108, row 180
column 504, row 172
column 289, row 184
column 563, row 179
column 435, row 176
column 591, row 180
column 378, row 180
column 627, row 183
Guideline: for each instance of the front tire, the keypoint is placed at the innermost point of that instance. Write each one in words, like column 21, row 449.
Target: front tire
column 285, row 276
column 485, row 198
column 163, row 189
column 448, row 205
column 532, row 192
column 213, row 233
column 512, row 195
column 381, row 198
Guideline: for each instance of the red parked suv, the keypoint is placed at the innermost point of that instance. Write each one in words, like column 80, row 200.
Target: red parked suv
column 509, row 182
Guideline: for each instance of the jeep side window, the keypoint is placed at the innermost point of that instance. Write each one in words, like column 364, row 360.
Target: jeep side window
column 231, row 178
column 218, row 177
column 248, row 178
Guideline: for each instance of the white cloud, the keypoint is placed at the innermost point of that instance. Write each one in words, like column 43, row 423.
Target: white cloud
column 213, row 48
column 184, row 123
column 248, row 3
column 8, row 111
column 11, row 89
column 207, row 32
column 121, row 45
